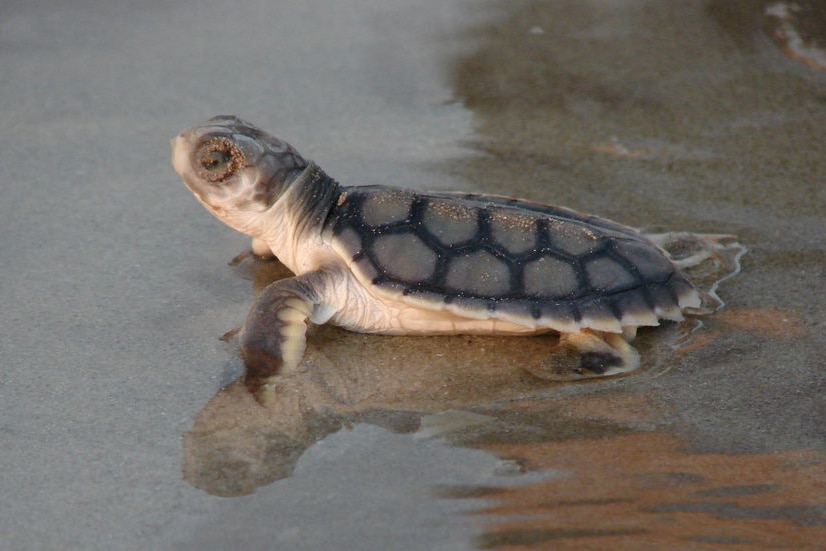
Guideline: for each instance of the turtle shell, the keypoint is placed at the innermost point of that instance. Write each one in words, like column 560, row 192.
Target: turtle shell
column 488, row 257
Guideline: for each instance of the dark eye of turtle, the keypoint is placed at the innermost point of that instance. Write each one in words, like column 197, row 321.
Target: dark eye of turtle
column 217, row 159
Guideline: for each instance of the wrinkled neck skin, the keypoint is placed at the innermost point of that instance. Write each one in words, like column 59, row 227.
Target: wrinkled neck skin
column 292, row 226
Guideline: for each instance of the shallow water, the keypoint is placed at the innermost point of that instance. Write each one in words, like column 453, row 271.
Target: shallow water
column 121, row 424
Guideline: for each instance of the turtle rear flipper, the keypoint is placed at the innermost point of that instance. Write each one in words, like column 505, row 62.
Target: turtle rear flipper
column 586, row 354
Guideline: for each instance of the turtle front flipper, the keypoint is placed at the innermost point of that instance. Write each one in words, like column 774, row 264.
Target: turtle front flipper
column 273, row 338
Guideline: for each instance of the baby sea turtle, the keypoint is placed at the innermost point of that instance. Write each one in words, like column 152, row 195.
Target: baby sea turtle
column 380, row 259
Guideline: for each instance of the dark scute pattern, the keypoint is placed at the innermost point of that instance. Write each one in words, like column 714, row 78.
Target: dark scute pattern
column 650, row 280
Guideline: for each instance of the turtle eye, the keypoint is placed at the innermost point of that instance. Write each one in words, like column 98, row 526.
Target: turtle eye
column 217, row 159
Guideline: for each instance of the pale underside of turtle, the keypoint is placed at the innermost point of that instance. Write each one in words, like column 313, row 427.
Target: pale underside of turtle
column 386, row 260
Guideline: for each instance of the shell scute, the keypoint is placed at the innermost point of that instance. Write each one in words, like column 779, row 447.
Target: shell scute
column 379, row 209
column 480, row 273
column 550, row 276
column 608, row 275
column 403, row 257
column 450, row 224
column 514, row 233
column 643, row 258
column 572, row 240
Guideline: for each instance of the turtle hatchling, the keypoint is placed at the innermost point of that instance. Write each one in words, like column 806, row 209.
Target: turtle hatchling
column 380, row 259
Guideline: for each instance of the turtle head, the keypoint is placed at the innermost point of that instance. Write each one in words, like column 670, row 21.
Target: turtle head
column 236, row 170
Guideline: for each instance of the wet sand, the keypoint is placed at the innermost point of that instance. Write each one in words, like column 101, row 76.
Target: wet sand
column 116, row 433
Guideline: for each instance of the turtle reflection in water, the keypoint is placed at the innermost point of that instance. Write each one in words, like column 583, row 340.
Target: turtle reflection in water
column 379, row 259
